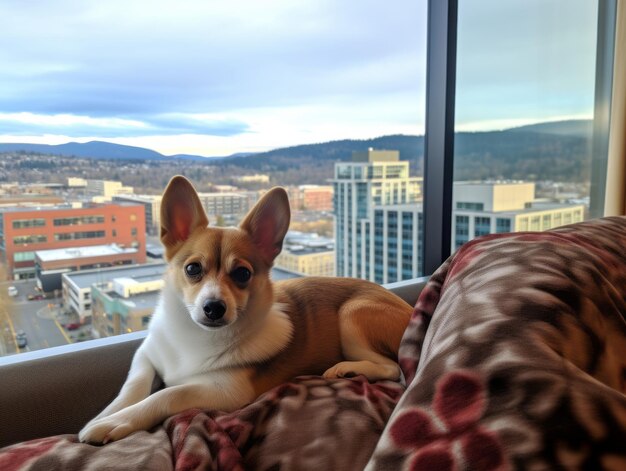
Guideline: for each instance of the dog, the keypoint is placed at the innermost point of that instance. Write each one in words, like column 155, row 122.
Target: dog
column 222, row 333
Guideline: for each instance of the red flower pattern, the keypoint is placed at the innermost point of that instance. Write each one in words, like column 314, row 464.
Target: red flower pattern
column 459, row 403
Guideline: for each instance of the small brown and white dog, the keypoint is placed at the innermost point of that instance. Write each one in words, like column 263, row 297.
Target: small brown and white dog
column 223, row 333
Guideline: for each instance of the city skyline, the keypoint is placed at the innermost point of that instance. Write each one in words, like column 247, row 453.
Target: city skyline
column 216, row 79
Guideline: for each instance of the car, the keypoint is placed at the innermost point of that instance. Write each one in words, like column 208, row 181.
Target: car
column 12, row 290
column 72, row 326
column 20, row 338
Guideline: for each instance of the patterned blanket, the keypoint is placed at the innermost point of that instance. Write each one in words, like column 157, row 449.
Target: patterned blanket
column 515, row 358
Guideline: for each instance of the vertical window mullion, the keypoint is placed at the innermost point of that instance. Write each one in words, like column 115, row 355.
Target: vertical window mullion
column 605, row 50
column 439, row 131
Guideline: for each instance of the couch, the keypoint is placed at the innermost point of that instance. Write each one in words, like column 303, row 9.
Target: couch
column 515, row 357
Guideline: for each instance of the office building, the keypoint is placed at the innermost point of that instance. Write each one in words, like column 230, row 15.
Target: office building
column 379, row 236
column 224, row 204
column 51, row 264
column 77, row 290
column 374, row 179
column 307, row 254
column 107, row 188
column 312, row 197
column 258, row 178
column 152, row 209
column 481, row 208
column 391, row 249
column 25, row 230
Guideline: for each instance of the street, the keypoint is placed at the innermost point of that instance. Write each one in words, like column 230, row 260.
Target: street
column 33, row 317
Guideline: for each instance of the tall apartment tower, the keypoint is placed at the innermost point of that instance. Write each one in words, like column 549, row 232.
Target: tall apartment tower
column 373, row 180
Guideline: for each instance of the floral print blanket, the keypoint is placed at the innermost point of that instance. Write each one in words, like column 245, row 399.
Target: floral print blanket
column 515, row 358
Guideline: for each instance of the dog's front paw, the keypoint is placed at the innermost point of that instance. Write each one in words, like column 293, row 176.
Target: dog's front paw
column 107, row 429
column 344, row 369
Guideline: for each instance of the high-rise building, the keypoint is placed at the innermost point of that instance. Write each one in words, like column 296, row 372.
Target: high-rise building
column 379, row 236
column 392, row 241
column 375, row 179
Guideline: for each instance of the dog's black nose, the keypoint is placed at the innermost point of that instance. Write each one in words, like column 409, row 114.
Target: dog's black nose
column 214, row 309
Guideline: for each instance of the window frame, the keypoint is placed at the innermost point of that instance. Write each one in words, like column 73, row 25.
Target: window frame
column 439, row 151
column 441, row 61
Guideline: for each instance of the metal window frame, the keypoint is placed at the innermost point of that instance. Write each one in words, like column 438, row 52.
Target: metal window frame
column 440, row 111
column 605, row 57
column 439, row 132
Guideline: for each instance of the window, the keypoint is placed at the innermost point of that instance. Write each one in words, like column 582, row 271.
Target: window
column 503, row 225
column 524, row 99
column 24, row 223
column 76, row 221
column 524, row 113
column 29, row 239
column 78, row 235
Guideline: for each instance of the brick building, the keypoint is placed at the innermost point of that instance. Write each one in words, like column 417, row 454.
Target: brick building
column 25, row 230
column 313, row 197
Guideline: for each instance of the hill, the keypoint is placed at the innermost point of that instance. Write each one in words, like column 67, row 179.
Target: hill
column 550, row 151
column 556, row 151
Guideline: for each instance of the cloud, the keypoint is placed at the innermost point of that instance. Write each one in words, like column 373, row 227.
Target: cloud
column 28, row 124
column 310, row 70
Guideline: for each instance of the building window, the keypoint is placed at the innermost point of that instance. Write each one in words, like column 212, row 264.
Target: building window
column 24, row 223
column 77, row 221
column 23, row 256
column 30, row 239
column 503, row 225
column 482, row 226
column 79, row 235
column 470, row 206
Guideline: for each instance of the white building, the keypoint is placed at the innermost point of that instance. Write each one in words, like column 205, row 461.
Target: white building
column 307, row 254
column 258, row 178
column 224, row 204
column 77, row 285
column 379, row 225
column 152, row 208
column 374, row 179
column 481, row 208
column 107, row 188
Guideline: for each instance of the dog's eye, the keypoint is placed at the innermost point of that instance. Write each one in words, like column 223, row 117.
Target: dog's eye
column 241, row 275
column 193, row 270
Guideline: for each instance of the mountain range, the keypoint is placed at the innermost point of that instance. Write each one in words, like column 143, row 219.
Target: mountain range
column 552, row 150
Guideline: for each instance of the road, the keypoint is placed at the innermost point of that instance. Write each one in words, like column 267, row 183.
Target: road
column 42, row 331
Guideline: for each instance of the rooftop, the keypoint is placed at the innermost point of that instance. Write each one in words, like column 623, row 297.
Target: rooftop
column 372, row 155
column 302, row 243
column 136, row 301
column 72, row 253
column 145, row 272
column 61, row 207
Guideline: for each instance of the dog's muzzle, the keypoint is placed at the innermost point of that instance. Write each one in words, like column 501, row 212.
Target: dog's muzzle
column 214, row 310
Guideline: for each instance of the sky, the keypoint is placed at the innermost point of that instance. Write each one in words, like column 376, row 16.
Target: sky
column 216, row 77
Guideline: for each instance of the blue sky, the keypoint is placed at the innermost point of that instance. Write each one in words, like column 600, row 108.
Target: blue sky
column 217, row 77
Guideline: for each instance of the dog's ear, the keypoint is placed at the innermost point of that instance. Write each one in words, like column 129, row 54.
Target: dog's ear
column 267, row 223
column 181, row 214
